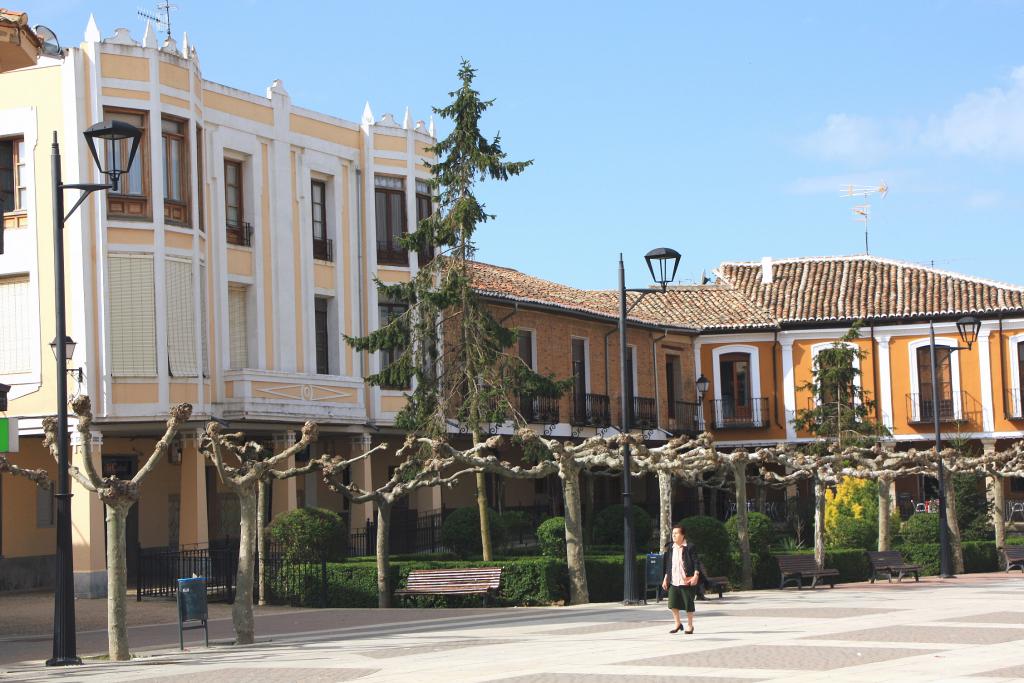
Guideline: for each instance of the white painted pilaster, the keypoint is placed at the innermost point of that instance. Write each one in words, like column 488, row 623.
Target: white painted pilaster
column 788, row 387
column 988, row 421
column 884, row 397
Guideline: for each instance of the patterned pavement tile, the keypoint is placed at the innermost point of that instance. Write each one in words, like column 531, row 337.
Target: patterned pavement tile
column 808, row 612
column 602, row 628
column 795, row 657
column 264, row 674
column 971, row 635
column 991, row 618
column 616, row 678
column 1016, row 671
column 427, row 648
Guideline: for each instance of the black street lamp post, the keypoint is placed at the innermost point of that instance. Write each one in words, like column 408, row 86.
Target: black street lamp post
column 64, row 646
column 664, row 259
column 968, row 327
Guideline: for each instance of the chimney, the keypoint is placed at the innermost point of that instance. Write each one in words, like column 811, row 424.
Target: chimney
column 766, row 270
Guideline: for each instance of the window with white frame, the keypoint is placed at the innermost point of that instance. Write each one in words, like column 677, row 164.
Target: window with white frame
column 204, row 324
column 181, row 327
column 238, row 326
column 132, row 315
column 15, row 325
column 12, row 175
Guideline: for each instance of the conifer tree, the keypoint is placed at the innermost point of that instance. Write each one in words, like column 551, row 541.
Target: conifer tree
column 446, row 345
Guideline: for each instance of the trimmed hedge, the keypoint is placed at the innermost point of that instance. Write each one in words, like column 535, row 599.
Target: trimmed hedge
column 712, row 542
column 608, row 527
column 979, row 556
column 460, row 531
column 551, row 537
column 310, row 532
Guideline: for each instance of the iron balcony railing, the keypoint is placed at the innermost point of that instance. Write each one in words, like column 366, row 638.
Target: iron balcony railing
column 732, row 414
column 591, row 410
column 391, row 253
column 539, row 410
column 952, row 407
column 323, row 249
column 687, row 417
column 643, row 413
column 1014, row 408
column 239, row 233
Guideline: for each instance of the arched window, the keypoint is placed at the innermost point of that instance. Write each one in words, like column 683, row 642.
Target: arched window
column 738, row 401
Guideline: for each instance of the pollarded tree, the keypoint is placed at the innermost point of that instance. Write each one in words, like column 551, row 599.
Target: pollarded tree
column 118, row 496
column 420, row 467
column 254, row 465
column 471, row 375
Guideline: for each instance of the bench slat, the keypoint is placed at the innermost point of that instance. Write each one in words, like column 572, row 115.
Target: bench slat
column 484, row 580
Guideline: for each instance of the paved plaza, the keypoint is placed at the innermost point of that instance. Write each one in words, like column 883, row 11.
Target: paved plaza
column 967, row 629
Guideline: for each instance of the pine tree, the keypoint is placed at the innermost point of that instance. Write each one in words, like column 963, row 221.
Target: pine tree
column 446, row 345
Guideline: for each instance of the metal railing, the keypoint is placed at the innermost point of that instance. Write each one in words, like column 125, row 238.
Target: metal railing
column 1014, row 407
column 323, row 249
column 591, row 410
column 239, row 233
column 391, row 253
column 540, row 410
column 158, row 569
column 409, row 533
column 730, row 414
column 951, row 408
column 687, row 417
column 643, row 413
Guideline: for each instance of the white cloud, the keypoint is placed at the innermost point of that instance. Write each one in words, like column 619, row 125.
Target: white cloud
column 984, row 199
column 986, row 123
column 848, row 138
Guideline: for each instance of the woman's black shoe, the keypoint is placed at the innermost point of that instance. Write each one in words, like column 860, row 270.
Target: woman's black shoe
column 677, row 629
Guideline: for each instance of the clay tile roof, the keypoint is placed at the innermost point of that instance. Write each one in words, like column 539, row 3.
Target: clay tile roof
column 693, row 307
column 865, row 287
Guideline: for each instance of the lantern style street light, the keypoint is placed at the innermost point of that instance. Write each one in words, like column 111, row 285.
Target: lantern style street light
column 702, row 390
column 663, row 264
column 64, row 646
column 968, row 327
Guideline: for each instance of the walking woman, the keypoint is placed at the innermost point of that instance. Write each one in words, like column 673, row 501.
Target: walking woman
column 682, row 575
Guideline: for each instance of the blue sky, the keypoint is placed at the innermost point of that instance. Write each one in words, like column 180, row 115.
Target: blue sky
column 723, row 130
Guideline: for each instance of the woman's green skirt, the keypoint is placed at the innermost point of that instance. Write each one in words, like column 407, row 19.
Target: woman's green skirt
column 681, row 598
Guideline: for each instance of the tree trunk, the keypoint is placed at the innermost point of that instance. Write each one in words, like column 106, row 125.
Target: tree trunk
column 588, row 523
column 819, row 523
column 261, row 539
column 485, row 523
column 995, row 486
column 117, row 582
column 665, row 506
column 884, row 513
column 954, row 528
column 579, row 594
column 742, row 528
column 241, row 610
column 383, row 556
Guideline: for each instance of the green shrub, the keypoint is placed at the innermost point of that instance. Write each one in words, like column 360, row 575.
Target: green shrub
column 977, row 529
column 920, row 528
column 516, row 524
column 461, row 531
column 551, row 537
column 973, row 508
column 712, row 543
column 980, row 556
column 924, row 554
column 308, row 534
column 853, row 532
column 1014, row 540
column 851, row 514
column 760, row 531
column 608, row 527
column 604, row 577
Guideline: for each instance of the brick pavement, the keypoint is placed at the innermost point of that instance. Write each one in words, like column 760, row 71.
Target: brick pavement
column 964, row 630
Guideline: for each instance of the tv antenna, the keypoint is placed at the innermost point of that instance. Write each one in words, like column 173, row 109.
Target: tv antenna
column 162, row 17
column 862, row 212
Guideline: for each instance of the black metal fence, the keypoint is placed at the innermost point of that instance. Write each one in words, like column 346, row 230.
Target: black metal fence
column 158, row 570
column 409, row 533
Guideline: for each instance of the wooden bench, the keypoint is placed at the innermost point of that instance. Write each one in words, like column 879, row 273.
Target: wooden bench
column 717, row 584
column 890, row 562
column 794, row 568
column 1014, row 556
column 483, row 581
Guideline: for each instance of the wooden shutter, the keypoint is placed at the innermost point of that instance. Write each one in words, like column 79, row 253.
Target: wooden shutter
column 16, row 321
column 132, row 315
column 238, row 327
column 181, row 328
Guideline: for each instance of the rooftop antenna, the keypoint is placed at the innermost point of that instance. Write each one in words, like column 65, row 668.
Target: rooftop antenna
column 162, row 17
column 862, row 212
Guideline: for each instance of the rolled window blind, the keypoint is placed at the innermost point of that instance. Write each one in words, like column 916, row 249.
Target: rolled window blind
column 238, row 326
column 181, row 326
column 132, row 315
column 16, row 321
column 204, row 321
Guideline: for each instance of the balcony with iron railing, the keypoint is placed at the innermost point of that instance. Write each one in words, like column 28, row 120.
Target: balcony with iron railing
column 686, row 418
column 591, row 410
column 643, row 413
column 239, row 233
column 953, row 406
column 733, row 414
column 391, row 253
column 323, row 249
column 1014, row 407
column 540, row 410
